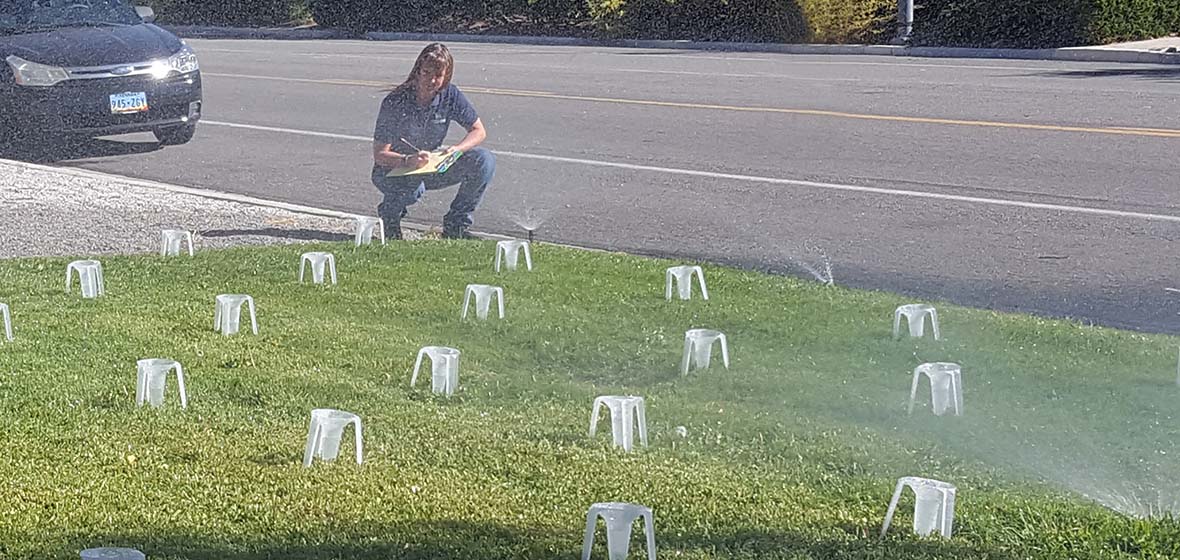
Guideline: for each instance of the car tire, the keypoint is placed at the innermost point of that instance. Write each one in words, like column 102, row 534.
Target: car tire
column 7, row 135
column 175, row 135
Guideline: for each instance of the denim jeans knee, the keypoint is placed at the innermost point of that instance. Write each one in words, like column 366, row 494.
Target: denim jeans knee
column 475, row 170
column 484, row 164
column 399, row 192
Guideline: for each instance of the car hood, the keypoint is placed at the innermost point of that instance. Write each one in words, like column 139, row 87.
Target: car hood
column 91, row 46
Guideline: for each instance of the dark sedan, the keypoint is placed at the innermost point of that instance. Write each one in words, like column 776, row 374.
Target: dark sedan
column 87, row 68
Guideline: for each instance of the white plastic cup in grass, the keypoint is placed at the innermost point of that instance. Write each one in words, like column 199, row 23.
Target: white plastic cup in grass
column 946, row 387
column 171, row 242
column 915, row 316
column 7, row 320
column 934, row 506
column 510, row 251
column 444, row 369
column 366, row 228
column 227, row 316
column 483, row 299
column 109, row 553
column 152, row 378
column 318, row 261
column 682, row 277
column 89, row 277
column 625, row 413
column 619, row 518
column 698, row 349
column 1177, row 365
column 326, row 431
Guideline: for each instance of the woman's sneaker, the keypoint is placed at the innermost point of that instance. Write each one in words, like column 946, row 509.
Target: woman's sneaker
column 459, row 232
column 393, row 230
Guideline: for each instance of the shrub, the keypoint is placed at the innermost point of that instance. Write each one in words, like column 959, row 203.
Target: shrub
column 968, row 23
column 849, row 21
column 1043, row 24
column 409, row 15
column 227, row 12
column 828, row 21
column 705, row 20
column 358, row 15
column 568, row 11
column 838, row 21
column 1128, row 20
column 999, row 23
column 379, row 15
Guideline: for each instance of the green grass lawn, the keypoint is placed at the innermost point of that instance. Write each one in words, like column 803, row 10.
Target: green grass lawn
column 791, row 453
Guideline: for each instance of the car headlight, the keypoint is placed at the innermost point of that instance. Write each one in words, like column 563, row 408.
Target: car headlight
column 184, row 61
column 29, row 73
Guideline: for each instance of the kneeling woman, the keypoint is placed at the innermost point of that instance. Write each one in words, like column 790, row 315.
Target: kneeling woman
column 413, row 121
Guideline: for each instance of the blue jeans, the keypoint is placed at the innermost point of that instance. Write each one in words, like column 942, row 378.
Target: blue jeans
column 472, row 172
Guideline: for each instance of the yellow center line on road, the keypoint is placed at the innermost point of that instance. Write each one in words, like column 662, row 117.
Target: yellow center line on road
column 1121, row 131
column 1145, row 129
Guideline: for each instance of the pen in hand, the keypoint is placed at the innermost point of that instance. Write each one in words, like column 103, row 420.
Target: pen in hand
column 417, row 158
column 416, row 148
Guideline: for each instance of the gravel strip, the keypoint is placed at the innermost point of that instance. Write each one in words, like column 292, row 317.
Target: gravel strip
column 43, row 213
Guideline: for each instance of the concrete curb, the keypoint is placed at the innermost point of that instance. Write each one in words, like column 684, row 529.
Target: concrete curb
column 1075, row 54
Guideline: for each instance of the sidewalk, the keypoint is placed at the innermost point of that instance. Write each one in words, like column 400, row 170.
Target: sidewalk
column 50, row 212
column 1158, row 51
column 1166, row 45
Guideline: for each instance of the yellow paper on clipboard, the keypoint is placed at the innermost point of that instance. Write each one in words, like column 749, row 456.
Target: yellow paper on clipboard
column 439, row 162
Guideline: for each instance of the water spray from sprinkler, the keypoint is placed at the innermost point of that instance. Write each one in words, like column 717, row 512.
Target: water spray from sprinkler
column 821, row 270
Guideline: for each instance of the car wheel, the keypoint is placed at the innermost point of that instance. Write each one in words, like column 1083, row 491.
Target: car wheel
column 175, row 135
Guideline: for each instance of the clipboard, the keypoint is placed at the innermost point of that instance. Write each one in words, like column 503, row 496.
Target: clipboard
column 438, row 163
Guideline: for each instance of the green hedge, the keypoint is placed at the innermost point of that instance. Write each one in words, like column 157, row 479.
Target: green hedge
column 789, row 21
column 227, row 12
column 1130, row 20
column 703, row 20
column 347, row 14
column 849, row 21
column 836, row 21
column 971, row 23
column 1043, row 23
column 409, row 15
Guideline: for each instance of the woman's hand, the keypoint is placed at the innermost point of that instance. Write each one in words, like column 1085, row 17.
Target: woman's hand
column 418, row 160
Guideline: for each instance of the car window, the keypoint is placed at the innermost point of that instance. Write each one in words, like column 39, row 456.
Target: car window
column 66, row 13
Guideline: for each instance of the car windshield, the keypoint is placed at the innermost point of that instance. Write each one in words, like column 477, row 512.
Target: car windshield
column 38, row 14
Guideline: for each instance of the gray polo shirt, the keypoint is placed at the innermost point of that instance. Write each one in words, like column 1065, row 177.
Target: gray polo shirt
column 424, row 127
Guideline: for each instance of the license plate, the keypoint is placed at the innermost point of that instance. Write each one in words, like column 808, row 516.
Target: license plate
column 129, row 102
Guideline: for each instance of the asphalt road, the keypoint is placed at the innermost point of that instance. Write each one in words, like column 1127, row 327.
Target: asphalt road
column 1015, row 185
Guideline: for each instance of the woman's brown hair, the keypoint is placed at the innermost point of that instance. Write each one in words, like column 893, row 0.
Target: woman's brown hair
column 435, row 54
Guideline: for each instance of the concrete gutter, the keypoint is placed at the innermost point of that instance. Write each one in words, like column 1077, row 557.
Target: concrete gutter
column 1076, row 54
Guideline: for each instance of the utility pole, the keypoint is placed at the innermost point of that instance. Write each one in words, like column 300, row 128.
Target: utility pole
column 905, row 22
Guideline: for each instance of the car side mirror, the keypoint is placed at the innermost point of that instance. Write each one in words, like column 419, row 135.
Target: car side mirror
column 146, row 13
